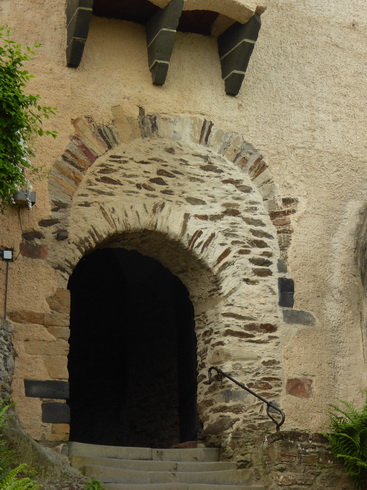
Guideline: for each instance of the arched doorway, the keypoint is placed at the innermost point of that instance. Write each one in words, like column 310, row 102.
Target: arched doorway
column 132, row 361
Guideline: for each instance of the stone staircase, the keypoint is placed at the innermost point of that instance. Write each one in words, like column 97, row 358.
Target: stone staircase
column 133, row 468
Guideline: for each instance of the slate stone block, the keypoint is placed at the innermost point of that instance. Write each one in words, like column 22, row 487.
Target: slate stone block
column 286, row 292
column 285, row 284
column 55, row 413
column 282, row 266
column 286, row 299
column 298, row 317
column 46, row 389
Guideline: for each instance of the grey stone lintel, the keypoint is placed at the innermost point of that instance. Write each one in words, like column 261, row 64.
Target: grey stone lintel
column 235, row 47
column 78, row 16
column 161, row 35
column 46, row 389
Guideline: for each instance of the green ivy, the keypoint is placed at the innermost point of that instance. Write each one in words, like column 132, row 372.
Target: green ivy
column 21, row 117
column 348, row 439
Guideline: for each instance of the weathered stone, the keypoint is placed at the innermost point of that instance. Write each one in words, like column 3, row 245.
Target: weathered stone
column 262, row 272
column 261, row 327
column 27, row 317
column 237, row 333
column 59, row 332
column 32, row 235
column 44, row 348
column 158, row 181
column 55, row 319
column 221, row 425
column 237, row 316
column 298, row 317
column 195, row 201
column 282, row 266
column 108, row 180
column 211, row 168
column 261, row 262
column 258, row 243
column 165, row 173
column 299, row 387
column 33, row 250
column 57, row 367
column 261, row 234
column 62, row 235
column 7, row 355
column 231, row 212
column 60, row 301
column 45, row 223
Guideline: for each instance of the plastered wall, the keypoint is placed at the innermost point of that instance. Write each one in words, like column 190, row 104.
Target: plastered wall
column 303, row 105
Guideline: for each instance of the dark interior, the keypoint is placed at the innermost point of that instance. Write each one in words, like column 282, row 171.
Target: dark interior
column 132, row 361
column 140, row 11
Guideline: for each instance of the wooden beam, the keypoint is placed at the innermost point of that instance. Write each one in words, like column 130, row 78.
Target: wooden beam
column 235, row 47
column 161, row 35
column 78, row 16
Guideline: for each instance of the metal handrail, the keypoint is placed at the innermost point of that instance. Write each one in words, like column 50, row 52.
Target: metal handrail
column 269, row 405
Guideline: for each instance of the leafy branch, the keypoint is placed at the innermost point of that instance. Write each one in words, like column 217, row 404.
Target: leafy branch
column 21, row 117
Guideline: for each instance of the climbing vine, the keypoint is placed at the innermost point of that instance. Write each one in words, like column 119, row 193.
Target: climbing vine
column 21, row 117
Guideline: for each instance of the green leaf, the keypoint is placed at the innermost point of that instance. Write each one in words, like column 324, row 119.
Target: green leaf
column 21, row 116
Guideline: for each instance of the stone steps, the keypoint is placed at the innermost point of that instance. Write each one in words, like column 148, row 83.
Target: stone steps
column 178, row 486
column 167, row 469
column 143, row 465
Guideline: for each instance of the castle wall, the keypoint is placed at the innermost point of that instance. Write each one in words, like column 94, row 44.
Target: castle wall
column 301, row 107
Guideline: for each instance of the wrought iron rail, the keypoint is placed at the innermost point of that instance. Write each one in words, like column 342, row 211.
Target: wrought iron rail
column 269, row 405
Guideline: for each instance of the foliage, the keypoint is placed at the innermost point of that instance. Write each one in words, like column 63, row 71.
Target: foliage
column 12, row 477
column 21, row 117
column 348, row 439
column 94, row 484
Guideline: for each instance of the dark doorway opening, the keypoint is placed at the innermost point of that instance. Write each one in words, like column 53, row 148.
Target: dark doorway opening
column 132, row 360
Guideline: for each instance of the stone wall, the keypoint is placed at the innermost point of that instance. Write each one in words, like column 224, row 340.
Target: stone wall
column 6, row 359
column 202, row 202
column 297, row 460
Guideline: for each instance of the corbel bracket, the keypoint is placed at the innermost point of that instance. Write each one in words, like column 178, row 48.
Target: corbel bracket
column 235, row 47
column 161, row 35
column 78, row 15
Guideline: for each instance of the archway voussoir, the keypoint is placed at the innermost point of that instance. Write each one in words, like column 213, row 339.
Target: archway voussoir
column 90, row 141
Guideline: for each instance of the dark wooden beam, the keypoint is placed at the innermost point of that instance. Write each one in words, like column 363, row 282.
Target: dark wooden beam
column 235, row 47
column 161, row 35
column 78, row 16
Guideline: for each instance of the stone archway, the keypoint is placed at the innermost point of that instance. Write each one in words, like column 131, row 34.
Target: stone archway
column 202, row 202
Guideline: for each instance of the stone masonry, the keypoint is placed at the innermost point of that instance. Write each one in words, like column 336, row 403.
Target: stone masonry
column 203, row 203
